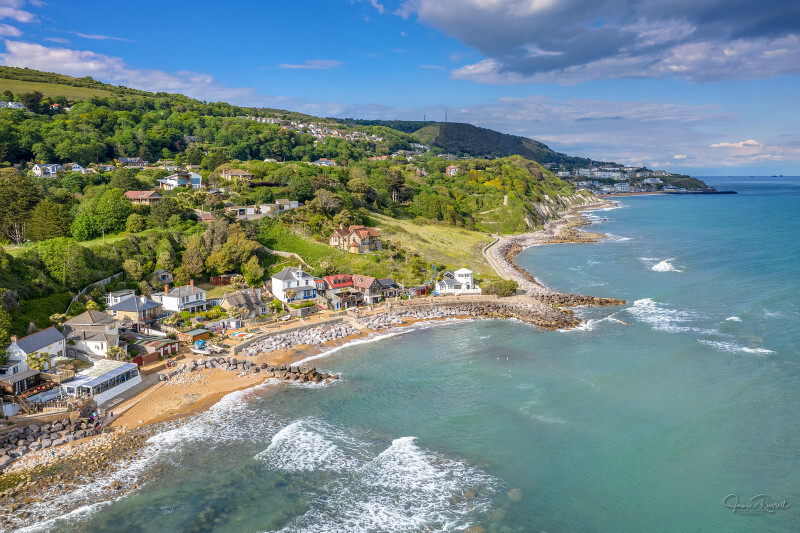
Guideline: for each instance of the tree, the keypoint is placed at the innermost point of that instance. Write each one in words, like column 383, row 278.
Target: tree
column 65, row 261
column 135, row 223
column 290, row 294
column 5, row 323
column 194, row 256
column 91, row 305
column 113, row 209
column 133, row 269
column 253, row 272
column 301, row 189
column 125, row 179
column 329, row 202
column 48, row 220
column 165, row 255
column 162, row 210
column 114, row 352
column 37, row 361
column 83, row 227
column 18, row 196
column 32, row 100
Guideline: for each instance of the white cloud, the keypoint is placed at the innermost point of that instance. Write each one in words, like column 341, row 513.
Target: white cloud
column 741, row 144
column 59, row 40
column 680, row 156
column 11, row 9
column 314, row 64
column 99, row 37
column 7, row 30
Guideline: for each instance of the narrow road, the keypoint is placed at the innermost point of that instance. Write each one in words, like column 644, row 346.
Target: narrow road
column 488, row 256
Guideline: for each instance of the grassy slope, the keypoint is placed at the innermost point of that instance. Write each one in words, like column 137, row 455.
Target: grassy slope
column 453, row 246
column 51, row 89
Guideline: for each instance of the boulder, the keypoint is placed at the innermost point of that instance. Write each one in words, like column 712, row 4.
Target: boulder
column 57, row 442
column 46, row 443
column 35, row 446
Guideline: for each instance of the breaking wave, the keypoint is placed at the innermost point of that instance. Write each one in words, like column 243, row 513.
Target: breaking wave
column 735, row 348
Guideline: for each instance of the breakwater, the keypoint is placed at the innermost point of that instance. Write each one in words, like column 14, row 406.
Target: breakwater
column 541, row 315
column 232, row 364
column 309, row 336
column 560, row 231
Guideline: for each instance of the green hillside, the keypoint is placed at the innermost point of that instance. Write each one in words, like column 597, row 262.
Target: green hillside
column 466, row 139
column 19, row 80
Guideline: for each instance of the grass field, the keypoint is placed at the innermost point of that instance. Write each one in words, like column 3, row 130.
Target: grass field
column 51, row 89
column 457, row 247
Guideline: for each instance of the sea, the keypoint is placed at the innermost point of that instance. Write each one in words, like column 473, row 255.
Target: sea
column 678, row 411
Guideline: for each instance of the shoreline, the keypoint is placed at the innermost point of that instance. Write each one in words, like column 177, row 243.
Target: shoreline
column 32, row 477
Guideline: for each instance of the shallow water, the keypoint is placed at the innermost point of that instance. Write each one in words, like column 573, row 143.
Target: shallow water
column 645, row 419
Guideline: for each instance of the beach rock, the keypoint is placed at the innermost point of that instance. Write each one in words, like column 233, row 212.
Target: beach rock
column 35, row 446
column 46, row 443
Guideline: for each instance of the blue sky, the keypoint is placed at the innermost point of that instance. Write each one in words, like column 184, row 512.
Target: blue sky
column 706, row 87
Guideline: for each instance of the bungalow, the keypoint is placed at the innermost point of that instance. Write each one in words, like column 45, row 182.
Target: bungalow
column 106, row 168
column 285, row 204
column 92, row 333
column 192, row 180
column 149, row 349
column 143, row 197
column 324, row 162
column 247, row 299
column 49, row 342
column 105, row 380
column 183, row 298
column 46, row 170
column 355, row 239
column 204, row 216
column 369, row 286
column 137, row 310
column 19, row 383
column 293, row 279
column 238, row 174
column 244, row 212
column 132, row 162
column 223, row 279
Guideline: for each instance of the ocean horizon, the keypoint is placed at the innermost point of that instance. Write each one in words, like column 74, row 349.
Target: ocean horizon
column 659, row 415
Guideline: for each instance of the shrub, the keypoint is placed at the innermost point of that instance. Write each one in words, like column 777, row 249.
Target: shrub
column 505, row 287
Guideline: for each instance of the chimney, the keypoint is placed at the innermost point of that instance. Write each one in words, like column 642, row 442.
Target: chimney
column 191, row 284
column 13, row 338
column 166, row 289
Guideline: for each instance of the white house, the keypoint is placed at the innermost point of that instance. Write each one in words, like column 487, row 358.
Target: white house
column 75, row 167
column 285, row 204
column 193, row 180
column 291, row 278
column 46, row 170
column 623, row 187
column 184, row 298
column 92, row 333
column 48, row 342
column 461, row 283
column 104, row 381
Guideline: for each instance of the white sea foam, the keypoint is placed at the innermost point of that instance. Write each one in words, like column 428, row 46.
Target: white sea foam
column 610, row 237
column 592, row 323
column 308, row 445
column 58, row 522
column 731, row 347
column 662, row 318
column 665, row 266
column 404, row 488
column 734, row 319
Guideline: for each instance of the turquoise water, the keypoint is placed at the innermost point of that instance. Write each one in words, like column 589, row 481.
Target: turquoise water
column 644, row 420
